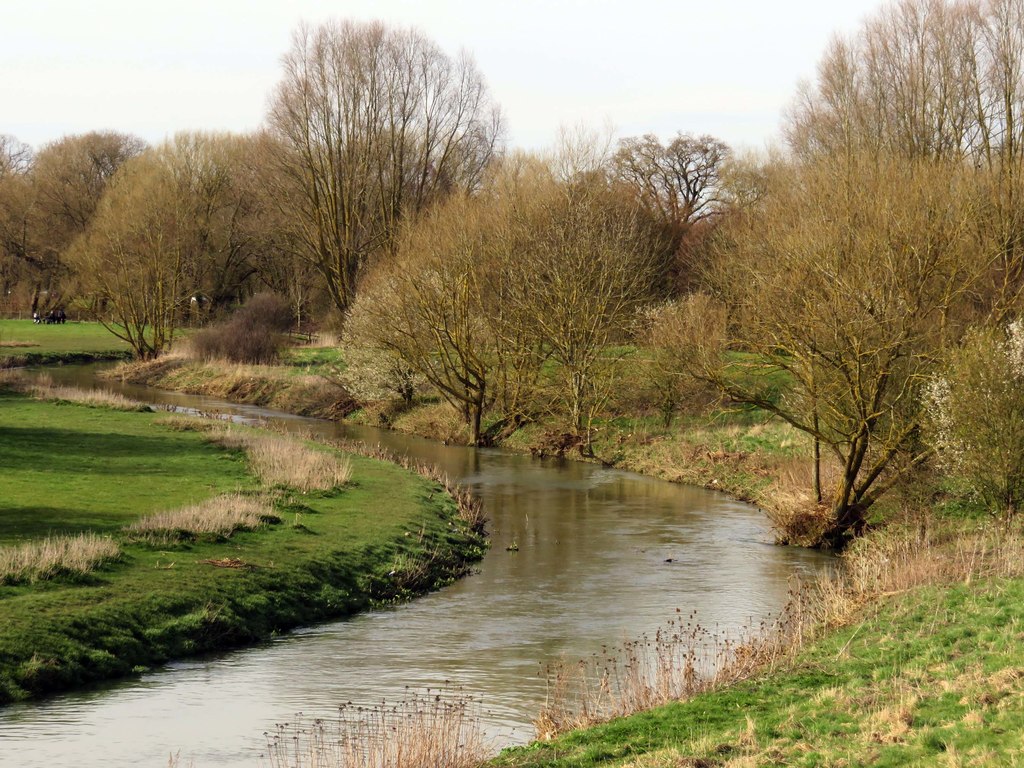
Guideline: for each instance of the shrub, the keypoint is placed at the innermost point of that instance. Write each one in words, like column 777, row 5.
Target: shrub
column 976, row 416
column 253, row 334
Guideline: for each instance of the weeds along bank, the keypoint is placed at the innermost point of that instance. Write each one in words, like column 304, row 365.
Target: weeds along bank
column 912, row 657
column 134, row 537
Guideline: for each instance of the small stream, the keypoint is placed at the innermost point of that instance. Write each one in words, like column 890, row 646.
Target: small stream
column 604, row 555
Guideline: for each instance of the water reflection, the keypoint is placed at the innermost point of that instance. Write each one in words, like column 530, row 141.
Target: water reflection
column 603, row 555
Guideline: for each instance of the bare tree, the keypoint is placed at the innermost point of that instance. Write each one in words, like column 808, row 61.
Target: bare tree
column 170, row 226
column 425, row 308
column 376, row 123
column 678, row 180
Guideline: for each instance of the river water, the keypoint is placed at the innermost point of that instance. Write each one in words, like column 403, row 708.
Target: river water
column 603, row 556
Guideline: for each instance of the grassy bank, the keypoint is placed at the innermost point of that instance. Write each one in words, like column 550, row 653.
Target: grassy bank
column 916, row 660
column 68, row 468
column 23, row 342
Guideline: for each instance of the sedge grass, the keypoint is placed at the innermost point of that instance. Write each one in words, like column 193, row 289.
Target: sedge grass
column 43, row 388
column 54, row 557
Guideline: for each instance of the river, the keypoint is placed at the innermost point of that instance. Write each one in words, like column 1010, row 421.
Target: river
column 603, row 555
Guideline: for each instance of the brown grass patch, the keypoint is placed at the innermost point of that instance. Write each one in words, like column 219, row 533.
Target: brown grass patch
column 55, row 556
column 283, row 461
column 218, row 517
column 43, row 388
column 432, row 730
column 16, row 344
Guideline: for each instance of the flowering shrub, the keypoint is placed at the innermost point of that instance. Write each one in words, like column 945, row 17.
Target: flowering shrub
column 976, row 416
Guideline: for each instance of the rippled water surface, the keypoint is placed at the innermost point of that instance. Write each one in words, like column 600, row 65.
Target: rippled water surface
column 603, row 555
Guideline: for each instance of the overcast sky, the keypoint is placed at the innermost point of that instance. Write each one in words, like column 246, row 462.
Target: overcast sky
column 152, row 68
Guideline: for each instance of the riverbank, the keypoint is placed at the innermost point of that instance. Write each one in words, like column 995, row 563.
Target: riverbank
column 913, row 658
column 745, row 453
column 85, row 473
column 24, row 343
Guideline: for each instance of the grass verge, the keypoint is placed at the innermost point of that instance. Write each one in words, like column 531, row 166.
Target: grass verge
column 67, row 469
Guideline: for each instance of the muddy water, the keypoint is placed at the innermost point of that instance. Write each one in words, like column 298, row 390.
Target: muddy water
column 603, row 555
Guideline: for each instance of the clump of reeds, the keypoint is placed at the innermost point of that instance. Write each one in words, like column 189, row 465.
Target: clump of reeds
column 43, row 388
column 218, row 517
column 432, row 730
column 283, row 461
column 681, row 660
column 54, row 557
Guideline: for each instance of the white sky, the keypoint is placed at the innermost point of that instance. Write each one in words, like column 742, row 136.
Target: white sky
column 724, row 67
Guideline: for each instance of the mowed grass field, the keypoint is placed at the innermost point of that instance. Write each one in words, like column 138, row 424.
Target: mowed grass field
column 25, row 342
column 67, row 469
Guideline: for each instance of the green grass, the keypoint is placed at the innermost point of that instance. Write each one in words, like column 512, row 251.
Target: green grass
column 23, row 342
column 930, row 677
column 330, row 358
column 70, row 468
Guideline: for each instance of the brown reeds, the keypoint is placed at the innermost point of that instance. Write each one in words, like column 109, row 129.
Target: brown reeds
column 218, row 517
column 681, row 660
column 283, row 461
column 54, row 557
column 439, row 729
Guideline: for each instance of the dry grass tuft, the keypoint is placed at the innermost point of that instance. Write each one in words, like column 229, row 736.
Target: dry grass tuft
column 220, row 516
column 55, row 556
column 433, row 730
column 283, row 461
column 43, row 388
column 16, row 344
column 790, row 504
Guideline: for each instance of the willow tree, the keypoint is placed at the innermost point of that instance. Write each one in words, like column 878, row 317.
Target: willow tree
column 375, row 124
column 848, row 279
column 170, row 225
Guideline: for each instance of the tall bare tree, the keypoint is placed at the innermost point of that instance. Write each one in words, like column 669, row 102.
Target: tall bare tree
column 376, row 123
